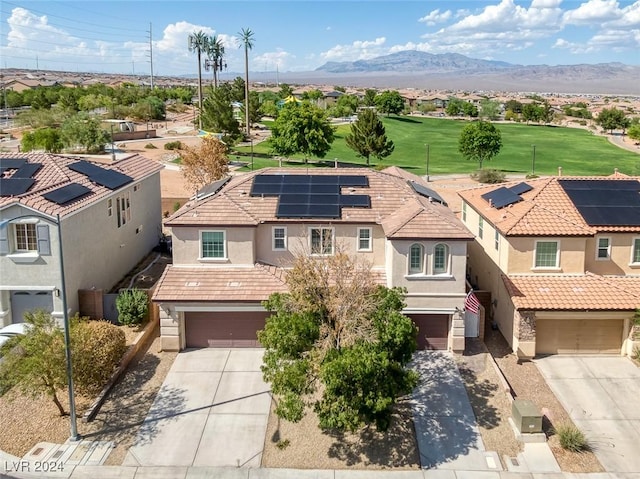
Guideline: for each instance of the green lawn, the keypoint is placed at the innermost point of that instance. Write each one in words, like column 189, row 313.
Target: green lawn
column 578, row 151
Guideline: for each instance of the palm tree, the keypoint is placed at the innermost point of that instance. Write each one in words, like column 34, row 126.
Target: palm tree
column 198, row 42
column 215, row 52
column 246, row 36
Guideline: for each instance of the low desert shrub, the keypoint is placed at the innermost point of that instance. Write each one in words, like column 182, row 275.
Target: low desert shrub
column 150, row 146
column 489, row 176
column 132, row 305
column 636, row 353
column 98, row 347
column 571, row 438
column 173, row 145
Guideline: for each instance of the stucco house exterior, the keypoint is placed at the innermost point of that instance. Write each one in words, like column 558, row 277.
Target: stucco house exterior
column 561, row 258
column 110, row 218
column 233, row 243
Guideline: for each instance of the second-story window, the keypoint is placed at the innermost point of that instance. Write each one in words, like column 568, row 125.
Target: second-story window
column 464, row 211
column 279, row 238
column 496, row 239
column 26, row 237
column 321, row 241
column 213, row 244
column 635, row 253
column 364, row 239
column 480, row 227
column 416, row 259
column 546, row 255
column 440, row 259
column 123, row 209
column 604, row 248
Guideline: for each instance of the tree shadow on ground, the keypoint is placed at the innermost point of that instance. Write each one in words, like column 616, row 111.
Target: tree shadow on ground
column 403, row 119
column 129, row 403
column 480, row 392
column 444, row 421
column 393, row 448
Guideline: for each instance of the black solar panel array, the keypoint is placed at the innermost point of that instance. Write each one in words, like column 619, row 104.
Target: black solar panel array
column 311, row 196
column 108, row 178
column 427, row 192
column 67, row 193
column 521, row 188
column 11, row 163
column 15, row 186
column 605, row 202
column 501, row 197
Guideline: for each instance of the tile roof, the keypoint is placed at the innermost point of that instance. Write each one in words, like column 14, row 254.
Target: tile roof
column 215, row 283
column 546, row 210
column 55, row 173
column 394, row 204
column 573, row 292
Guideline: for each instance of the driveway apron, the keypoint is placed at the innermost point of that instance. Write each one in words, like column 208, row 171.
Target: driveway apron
column 211, row 410
column 601, row 396
column 446, row 428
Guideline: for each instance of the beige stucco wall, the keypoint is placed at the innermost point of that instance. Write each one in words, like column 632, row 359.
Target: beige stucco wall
column 522, row 250
column 239, row 244
column 620, row 260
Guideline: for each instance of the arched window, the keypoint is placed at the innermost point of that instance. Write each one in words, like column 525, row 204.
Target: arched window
column 440, row 259
column 416, row 259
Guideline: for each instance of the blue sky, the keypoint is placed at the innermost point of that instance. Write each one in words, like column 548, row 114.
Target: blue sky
column 113, row 36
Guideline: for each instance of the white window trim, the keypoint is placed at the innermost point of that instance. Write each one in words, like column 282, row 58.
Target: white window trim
column 464, row 211
column 496, row 239
column 447, row 271
column 333, row 240
column 633, row 264
column 18, row 251
column 546, row 268
column 224, row 257
column 480, row 227
column 608, row 257
column 370, row 248
column 422, row 272
column 273, row 238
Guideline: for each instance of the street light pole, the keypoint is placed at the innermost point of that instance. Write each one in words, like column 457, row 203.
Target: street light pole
column 67, row 338
column 533, row 161
column 428, row 162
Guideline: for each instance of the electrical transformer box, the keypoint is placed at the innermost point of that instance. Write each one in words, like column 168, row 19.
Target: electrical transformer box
column 526, row 416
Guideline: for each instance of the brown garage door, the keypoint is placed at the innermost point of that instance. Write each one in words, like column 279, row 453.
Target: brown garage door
column 583, row 336
column 223, row 330
column 433, row 330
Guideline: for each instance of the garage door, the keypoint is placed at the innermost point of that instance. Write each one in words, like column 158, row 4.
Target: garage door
column 223, row 330
column 584, row 336
column 433, row 330
column 23, row 301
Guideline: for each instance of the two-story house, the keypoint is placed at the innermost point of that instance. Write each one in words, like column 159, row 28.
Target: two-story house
column 108, row 217
column 233, row 243
column 561, row 257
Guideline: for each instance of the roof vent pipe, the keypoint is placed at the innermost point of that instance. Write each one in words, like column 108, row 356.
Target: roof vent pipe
column 559, row 170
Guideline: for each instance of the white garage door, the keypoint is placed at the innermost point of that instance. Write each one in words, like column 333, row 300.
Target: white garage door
column 23, row 301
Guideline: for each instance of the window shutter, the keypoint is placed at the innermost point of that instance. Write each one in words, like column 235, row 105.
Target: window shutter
column 4, row 239
column 42, row 236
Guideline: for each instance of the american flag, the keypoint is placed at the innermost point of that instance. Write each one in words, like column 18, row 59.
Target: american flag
column 471, row 303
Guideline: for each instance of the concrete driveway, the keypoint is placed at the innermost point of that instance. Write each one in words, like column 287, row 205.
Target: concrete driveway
column 601, row 395
column 446, row 428
column 211, row 410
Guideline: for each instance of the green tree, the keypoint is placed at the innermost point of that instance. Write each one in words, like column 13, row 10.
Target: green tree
column 455, row 107
column 390, row 102
column 480, row 141
column 369, row 97
column 337, row 343
column 82, row 130
column 47, row 139
column 254, row 107
column 513, row 105
column 368, row 137
column 246, row 37
column 237, row 90
column 286, row 91
column 348, row 104
column 531, row 112
column 217, row 114
column 489, row 109
column 312, row 95
column 634, row 132
column 302, row 128
column 612, row 119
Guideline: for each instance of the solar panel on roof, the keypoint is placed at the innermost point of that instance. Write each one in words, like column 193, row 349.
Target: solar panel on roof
column 521, row 188
column 296, row 179
column 67, row 193
column 320, row 210
column 355, row 201
column 605, row 202
column 292, row 211
column 296, row 188
column 85, row 168
column 27, row 170
column 108, row 178
column 354, row 180
column 501, row 197
column 212, row 188
column 11, row 163
column 427, row 192
column 324, row 180
column 325, row 189
column 15, row 186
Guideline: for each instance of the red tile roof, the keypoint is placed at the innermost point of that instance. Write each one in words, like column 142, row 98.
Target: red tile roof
column 573, row 292
column 55, row 173
column 394, row 204
column 546, row 210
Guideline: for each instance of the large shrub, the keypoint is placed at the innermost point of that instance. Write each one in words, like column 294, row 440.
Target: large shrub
column 98, row 347
column 132, row 305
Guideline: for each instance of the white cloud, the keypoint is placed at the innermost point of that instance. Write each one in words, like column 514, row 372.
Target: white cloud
column 593, row 12
column 436, row 17
column 358, row 50
column 280, row 59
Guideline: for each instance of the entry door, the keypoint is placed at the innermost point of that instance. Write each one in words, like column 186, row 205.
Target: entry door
column 23, row 301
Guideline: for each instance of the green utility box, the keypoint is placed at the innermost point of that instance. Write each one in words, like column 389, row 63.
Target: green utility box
column 526, row 416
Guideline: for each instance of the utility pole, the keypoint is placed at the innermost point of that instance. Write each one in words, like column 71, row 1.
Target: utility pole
column 151, row 51
column 428, row 162
column 533, row 161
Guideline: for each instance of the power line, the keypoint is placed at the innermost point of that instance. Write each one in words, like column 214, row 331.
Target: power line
column 70, row 61
column 40, row 50
column 69, row 5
